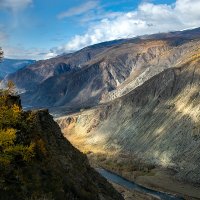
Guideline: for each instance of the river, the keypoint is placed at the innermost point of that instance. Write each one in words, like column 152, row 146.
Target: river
column 112, row 177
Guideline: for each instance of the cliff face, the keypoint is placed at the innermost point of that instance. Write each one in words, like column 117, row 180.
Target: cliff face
column 158, row 122
column 56, row 169
column 170, row 58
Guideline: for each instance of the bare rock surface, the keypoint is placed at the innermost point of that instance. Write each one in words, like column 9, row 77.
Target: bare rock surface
column 157, row 122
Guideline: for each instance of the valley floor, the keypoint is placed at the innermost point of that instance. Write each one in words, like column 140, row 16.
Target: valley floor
column 162, row 180
column 158, row 179
column 132, row 195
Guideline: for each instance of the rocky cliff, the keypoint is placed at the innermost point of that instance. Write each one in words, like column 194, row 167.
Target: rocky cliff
column 42, row 163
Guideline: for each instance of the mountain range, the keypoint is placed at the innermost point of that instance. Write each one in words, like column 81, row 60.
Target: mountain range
column 89, row 76
column 132, row 105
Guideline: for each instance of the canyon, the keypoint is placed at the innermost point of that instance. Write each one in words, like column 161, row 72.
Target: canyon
column 132, row 106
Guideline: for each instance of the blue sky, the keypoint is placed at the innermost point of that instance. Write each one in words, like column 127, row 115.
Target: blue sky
column 40, row 29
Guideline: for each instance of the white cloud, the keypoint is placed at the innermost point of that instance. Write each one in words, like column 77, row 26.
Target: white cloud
column 188, row 11
column 19, row 52
column 148, row 18
column 15, row 5
column 79, row 9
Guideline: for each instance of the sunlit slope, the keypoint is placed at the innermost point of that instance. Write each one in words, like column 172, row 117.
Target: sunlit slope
column 157, row 122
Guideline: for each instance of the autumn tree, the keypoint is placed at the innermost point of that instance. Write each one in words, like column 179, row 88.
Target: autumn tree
column 11, row 124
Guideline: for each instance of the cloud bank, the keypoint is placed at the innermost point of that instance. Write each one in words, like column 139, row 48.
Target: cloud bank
column 18, row 52
column 148, row 18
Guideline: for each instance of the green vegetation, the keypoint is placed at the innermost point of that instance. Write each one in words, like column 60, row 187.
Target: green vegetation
column 18, row 148
column 13, row 150
column 126, row 166
column 37, row 162
column 11, row 124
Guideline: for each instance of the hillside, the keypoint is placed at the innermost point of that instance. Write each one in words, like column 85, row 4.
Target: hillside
column 154, row 125
column 66, row 63
column 37, row 162
column 91, row 75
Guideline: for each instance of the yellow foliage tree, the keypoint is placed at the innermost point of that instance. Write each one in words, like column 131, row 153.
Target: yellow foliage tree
column 11, row 121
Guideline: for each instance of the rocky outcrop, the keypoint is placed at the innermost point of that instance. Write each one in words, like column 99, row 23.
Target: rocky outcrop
column 54, row 170
column 78, row 179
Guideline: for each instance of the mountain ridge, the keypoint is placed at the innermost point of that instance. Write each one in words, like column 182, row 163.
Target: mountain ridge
column 107, row 65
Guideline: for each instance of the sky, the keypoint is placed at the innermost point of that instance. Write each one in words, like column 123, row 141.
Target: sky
column 41, row 29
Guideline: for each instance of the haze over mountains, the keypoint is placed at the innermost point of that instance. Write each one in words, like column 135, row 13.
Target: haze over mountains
column 8, row 66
